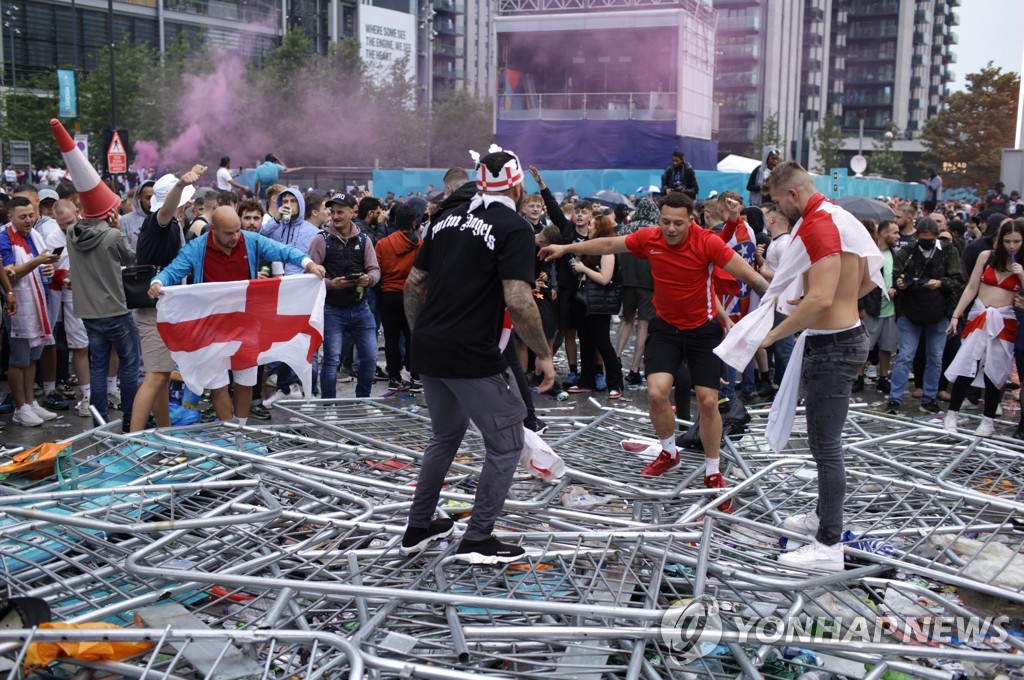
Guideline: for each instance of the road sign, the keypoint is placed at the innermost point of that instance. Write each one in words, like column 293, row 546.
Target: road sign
column 117, row 157
column 82, row 142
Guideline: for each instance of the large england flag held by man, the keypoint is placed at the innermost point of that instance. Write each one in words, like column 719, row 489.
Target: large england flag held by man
column 213, row 327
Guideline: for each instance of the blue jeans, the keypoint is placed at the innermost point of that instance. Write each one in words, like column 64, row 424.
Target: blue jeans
column 829, row 369
column 781, row 351
column 355, row 322
column 935, row 342
column 747, row 385
column 120, row 334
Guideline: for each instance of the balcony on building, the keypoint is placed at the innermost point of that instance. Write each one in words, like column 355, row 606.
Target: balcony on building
column 737, row 23
column 885, row 51
column 448, row 27
column 449, row 7
column 871, row 31
column 814, row 14
column 953, row 19
column 735, row 4
column 874, row 10
column 952, row 38
column 250, row 10
column 949, row 57
column 812, row 39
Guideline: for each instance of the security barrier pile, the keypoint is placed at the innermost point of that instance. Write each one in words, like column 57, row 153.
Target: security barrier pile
column 243, row 552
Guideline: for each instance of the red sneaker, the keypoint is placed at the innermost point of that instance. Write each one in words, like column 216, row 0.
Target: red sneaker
column 716, row 481
column 635, row 447
column 662, row 464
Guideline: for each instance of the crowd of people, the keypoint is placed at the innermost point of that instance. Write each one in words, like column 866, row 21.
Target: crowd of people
column 674, row 272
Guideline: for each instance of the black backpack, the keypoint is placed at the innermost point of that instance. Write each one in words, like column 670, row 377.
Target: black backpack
column 734, row 422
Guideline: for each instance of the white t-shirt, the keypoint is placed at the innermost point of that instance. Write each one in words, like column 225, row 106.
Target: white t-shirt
column 10, row 176
column 224, row 179
column 772, row 258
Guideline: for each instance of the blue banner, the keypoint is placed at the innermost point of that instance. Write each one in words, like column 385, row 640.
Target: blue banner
column 68, row 100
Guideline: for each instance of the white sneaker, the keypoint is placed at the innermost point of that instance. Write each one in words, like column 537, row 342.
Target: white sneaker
column 295, row 392
column 277, row 396
column 871, row 371
column 27, row 416
column 815, row 555
column 272, row 380
column 949, row 422
column 114, row 399
column 986, row 428
column 83, row 408
column 41, row 412
column 802, row 524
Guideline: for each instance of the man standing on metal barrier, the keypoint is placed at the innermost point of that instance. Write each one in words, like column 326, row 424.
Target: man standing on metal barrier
column 837, row 262
column 474, row 262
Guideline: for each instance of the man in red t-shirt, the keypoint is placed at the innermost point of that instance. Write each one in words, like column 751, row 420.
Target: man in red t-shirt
column 683, row 256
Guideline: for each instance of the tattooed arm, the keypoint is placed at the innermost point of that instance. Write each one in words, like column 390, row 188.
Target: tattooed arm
column 414, row 294
column 522, row 308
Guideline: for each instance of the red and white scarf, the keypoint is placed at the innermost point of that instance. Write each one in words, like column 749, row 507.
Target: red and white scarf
column 31, row 321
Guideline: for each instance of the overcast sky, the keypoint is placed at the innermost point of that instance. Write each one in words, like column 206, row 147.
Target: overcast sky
column 989, row 30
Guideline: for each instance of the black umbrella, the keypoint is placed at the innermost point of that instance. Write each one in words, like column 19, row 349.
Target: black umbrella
column 863, row 207
column 609, row 198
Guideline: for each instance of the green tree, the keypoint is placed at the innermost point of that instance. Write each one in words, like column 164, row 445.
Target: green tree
column 768, row 135
column 964, row 141
column 827, row 142
column 884, row 160
column 460, row 123
column 26, row 114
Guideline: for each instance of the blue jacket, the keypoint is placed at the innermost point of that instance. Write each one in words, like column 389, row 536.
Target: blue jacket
column 190, row 259
column 298, row 233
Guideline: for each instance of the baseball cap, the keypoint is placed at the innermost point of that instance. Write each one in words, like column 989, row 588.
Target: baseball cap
column 342, row 199
column 48, row 195
column 713, row 194
column 163, row 187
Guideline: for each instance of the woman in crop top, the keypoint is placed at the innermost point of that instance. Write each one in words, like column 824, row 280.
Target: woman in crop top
column 986, row 355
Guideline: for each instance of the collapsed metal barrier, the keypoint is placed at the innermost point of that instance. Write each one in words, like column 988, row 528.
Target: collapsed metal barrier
column 274, row 552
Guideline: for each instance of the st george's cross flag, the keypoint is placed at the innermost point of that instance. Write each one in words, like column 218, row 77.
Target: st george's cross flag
column 823, row 230
column 210, row 328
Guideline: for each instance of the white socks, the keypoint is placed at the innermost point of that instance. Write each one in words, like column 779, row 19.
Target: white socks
column 240, row 421
column 711, row 466
column 86, row 390
column 111, row 385
column 669, row 445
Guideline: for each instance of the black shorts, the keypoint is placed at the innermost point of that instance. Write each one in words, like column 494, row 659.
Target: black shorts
column 668, row 347
column 638, row 303
column 546, row 309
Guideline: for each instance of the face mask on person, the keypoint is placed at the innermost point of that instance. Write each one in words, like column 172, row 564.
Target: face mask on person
column 926, row 244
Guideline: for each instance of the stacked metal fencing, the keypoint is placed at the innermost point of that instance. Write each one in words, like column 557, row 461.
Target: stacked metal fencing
column 242, row 552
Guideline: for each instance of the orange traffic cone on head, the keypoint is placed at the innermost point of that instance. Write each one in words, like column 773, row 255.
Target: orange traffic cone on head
column 97, row 198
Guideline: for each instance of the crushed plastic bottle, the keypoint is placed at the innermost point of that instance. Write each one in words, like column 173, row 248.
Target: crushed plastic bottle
column 578, row 498
column 562, row 396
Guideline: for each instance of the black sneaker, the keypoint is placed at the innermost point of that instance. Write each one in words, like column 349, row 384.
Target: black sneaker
column 930, row 407
column 397, row 385
column 858, row 385
column 884, row 386
column 633, row 378
column 892, row 407
column 259, row 412
column 208, row 415
column 415, row 385
column 488, row 551
column 535, row 424
column 417, row 540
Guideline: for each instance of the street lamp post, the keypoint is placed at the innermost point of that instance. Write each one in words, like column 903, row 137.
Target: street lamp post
column 9, row 24
column 110, row 39
column 428, row 24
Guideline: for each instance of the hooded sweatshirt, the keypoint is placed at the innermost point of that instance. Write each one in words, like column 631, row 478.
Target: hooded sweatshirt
column 758, row 177
column 395, row 255
column 297, row 233
column 97, row 252
column 132, row 222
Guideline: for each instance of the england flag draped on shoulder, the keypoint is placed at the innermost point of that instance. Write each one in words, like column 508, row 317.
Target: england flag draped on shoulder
column 213, row 327
column 825, row 229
